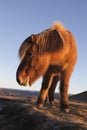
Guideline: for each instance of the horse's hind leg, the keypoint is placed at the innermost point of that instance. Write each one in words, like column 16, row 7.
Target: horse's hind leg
column 64, row 84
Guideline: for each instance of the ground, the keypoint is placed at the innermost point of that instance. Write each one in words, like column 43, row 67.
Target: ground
column 20, row 112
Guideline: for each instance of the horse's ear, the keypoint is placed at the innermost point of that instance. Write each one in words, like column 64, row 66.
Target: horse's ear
column 34, row 38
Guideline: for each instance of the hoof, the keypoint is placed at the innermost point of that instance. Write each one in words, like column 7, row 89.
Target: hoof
column 52, row 103
column 40, row 106
column 65, row 108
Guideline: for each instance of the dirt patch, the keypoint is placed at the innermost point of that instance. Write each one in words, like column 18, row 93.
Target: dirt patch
column 21, row 113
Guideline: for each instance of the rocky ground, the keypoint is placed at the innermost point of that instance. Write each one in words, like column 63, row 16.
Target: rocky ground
column 20, row 112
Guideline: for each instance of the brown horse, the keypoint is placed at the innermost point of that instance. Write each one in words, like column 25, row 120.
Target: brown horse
column 51, row 54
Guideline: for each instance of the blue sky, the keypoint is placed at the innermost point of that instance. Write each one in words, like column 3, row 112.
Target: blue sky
column 21, row 18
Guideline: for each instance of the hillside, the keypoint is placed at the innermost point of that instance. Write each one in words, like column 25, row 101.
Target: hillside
column 20, row 112
column 80, row 97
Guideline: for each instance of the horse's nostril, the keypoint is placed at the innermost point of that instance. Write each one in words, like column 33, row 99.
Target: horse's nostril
column 18, row 80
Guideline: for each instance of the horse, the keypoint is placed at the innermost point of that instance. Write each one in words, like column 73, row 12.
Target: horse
column 51, row 54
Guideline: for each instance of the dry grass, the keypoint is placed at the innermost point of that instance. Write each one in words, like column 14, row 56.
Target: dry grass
column 18, row 112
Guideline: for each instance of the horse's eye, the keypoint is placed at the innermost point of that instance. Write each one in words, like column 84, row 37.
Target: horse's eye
column 29, row 53
column 27, row 71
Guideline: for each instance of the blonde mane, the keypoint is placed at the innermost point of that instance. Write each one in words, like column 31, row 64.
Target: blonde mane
column 58, row 26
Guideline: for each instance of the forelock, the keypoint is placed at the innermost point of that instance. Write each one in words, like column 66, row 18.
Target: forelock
column 24, row 47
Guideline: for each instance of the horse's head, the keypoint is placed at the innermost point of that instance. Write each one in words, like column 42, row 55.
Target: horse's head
column 33, row 63
column 35, row 54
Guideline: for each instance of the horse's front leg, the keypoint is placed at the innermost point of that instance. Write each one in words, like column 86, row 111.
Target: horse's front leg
column 46, row 83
